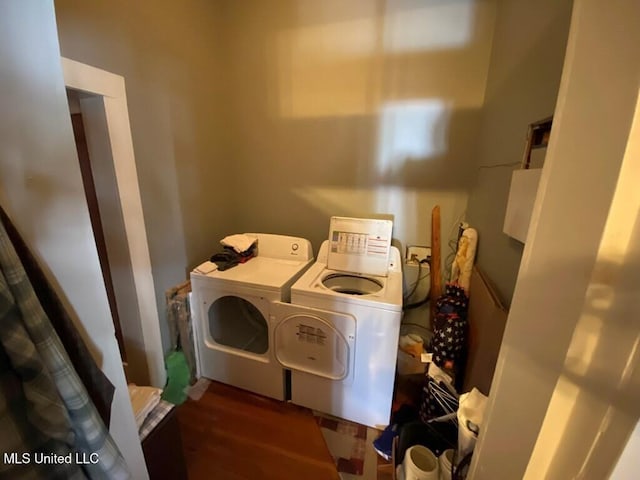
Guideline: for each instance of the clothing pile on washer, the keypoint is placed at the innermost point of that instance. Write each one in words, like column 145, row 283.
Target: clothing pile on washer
column 323, row 336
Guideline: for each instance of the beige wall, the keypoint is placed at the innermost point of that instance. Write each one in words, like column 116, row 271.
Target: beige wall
column 354, row 108
column 168, row 53
column 273, row 116
column 41, row 190
column 524, row 75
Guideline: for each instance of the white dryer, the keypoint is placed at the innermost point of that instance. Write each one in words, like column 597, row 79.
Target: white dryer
column 232, row 312
column 339, row 335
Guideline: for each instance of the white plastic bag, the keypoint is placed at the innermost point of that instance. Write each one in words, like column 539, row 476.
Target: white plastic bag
column 470, row 417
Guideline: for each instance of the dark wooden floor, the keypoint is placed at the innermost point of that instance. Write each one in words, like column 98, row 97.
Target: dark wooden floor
column 230, row 434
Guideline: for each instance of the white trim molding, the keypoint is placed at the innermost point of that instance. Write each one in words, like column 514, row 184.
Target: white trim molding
column 111, row 89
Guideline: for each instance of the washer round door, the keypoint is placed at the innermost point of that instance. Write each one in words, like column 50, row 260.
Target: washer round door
column 317, row 342
column 234, row 322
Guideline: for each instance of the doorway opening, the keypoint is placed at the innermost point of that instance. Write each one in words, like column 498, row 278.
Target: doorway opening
column 91, row 195
column 101, row 100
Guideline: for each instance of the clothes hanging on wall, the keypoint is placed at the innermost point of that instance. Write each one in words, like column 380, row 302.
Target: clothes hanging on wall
column 98, row 386
column 44, row 401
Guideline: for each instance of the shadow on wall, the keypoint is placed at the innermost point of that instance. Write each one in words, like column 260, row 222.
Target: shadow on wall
column 273, row 116
column 353, row 108
column 522, row 87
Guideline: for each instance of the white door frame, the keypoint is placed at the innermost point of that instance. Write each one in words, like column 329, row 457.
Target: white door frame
column 564, row 397
column 110, row 88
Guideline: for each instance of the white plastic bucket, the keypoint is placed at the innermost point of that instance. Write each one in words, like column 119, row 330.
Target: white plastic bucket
column 445, row 460
column 420, row 464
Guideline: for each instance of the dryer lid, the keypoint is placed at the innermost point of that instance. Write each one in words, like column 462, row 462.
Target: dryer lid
column 359, row 245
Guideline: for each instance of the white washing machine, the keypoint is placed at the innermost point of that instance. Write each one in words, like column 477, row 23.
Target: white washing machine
column 339, row 334
column 232, row 312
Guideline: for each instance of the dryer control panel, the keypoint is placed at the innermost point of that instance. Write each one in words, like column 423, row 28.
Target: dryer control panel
column 283, row 246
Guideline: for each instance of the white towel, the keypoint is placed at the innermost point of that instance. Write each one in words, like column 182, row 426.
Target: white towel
column 143, row 400
column 239, row 242
column 206, row 267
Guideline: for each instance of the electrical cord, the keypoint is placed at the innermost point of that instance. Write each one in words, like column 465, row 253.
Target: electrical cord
column 419, row 278
column 451, row 257
column 453, row 246
column 418, row 304
column 415, row 286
